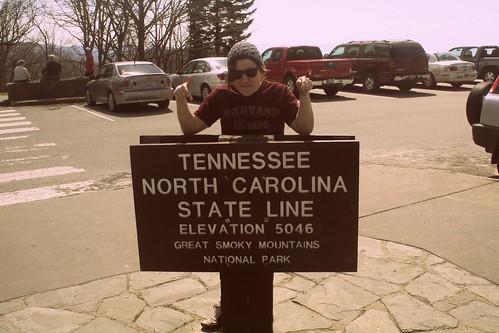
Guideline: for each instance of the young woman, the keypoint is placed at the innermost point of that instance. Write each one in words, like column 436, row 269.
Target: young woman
column 247, row 105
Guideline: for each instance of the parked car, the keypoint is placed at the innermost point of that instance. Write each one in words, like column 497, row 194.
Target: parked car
column 285, row 64
column 206, row 73
column 128, row 82
column 400, row 63
column 485, row 58
column 445, row 67
column 482, row 111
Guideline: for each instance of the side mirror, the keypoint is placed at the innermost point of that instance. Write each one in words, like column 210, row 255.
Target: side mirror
column 326, row 56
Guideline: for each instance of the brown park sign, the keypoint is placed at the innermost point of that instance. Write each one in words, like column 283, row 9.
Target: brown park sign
column 211, row 206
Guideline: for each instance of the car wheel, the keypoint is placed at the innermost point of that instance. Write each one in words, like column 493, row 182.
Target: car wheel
column 331, row 91
column 456, row 85
column 89, row 99
column 429, row 82
column 370, row 83
column 475, row 101
column 406, row 85
column 205, row 91
column 111, row 102
column 290, row 83
column 164, row 104
column 489, row 75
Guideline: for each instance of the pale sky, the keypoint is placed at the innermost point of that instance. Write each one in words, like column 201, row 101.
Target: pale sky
column 437, row 25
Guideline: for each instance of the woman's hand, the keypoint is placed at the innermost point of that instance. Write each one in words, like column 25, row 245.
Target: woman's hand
column 304, row 84
column 182, row 91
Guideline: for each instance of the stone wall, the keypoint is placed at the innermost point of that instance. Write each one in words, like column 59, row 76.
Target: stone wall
column 53, row 89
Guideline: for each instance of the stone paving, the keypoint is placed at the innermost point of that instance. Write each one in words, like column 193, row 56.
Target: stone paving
column 396, row 289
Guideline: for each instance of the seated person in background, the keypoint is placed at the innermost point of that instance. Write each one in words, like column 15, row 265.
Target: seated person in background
column 53, row 69
column 21, row 74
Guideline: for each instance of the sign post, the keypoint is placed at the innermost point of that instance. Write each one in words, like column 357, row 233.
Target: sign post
column 246, row 207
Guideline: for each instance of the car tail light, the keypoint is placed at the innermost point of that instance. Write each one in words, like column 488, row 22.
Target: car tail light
column 126, row 84
column 452, row 69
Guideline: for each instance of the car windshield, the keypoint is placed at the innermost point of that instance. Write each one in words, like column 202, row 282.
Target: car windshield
column 446, row 56
column 220, row 63
column 134, row 69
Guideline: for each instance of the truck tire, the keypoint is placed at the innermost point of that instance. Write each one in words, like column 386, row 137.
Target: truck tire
column 331, row 91
column 489, row 74
column 370, row 82
column 475, row 101
column 406, row 85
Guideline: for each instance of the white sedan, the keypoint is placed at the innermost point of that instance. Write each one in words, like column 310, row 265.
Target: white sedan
column 445, row 67
column 207, row 74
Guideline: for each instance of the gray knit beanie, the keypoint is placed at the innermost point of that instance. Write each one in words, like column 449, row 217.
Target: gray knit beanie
column 243, row 50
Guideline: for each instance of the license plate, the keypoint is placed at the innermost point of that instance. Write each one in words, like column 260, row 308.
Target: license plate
column 149, row 85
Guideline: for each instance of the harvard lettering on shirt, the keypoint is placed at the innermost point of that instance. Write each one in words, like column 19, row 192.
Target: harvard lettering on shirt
column 250, row 117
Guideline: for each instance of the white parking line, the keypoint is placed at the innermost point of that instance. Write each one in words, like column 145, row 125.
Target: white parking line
column 7, row 111
column 38, row 173
column 14, row 137
column 357, row 95
column 42, row 193
column 24, row 160
column 4, row 120
column 35, row 147
column 19, row 123
column 19, row 130
column 10, row 114
column 91, row 112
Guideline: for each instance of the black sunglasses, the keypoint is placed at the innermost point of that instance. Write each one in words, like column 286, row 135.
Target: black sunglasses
column 235, row 74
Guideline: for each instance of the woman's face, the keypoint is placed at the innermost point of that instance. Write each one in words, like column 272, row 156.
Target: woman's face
column 246, row 84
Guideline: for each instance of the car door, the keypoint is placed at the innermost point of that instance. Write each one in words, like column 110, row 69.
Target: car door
column 198, row 74
column 183, row 75
column 102, row 83
column 272, row 60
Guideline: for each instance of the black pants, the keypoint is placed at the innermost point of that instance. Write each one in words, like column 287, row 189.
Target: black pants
column 247, row 301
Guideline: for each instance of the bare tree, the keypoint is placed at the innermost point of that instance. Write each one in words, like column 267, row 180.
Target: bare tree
column 17, row 19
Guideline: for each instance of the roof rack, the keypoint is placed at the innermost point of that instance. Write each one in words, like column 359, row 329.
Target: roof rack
column 381, row 41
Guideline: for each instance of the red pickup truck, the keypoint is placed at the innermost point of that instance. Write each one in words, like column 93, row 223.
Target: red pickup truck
column 286, row 64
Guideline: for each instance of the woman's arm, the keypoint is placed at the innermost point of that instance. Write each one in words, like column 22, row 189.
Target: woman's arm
column 189, row 123
column 304, row 122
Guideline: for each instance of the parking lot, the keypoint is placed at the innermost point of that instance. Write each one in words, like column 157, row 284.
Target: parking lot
column 67, row 211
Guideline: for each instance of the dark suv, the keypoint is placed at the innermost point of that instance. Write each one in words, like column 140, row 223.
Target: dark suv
column 400, row 63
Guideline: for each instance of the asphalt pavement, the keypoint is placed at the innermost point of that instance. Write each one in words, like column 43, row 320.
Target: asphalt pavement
column 427, row 263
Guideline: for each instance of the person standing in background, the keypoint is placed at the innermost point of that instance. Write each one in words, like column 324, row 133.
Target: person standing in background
column 89, row 62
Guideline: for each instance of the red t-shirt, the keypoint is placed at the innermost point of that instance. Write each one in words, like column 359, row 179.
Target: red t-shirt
column 264, row 113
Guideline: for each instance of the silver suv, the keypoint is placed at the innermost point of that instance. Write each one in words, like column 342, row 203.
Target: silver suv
column 482, row 111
